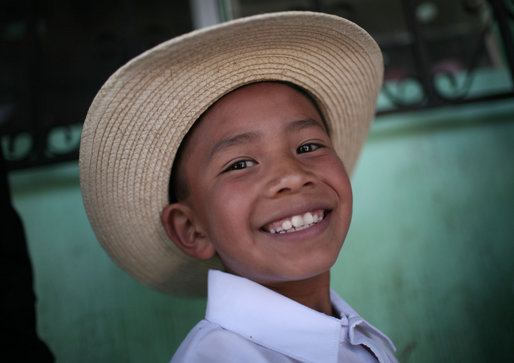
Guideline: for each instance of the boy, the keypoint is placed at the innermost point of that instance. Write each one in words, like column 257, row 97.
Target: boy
column 270, row 113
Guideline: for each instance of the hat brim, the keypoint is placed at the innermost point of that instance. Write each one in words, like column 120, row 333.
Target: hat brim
column 141, row 114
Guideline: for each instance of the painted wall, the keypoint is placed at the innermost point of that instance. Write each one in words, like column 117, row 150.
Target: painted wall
column 428, row 258
column 432, row 236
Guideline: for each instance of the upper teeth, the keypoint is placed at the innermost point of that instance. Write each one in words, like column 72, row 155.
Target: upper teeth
column 298, row 222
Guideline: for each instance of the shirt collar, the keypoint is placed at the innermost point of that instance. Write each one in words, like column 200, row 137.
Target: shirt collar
column 268, row 318
column 357, row 331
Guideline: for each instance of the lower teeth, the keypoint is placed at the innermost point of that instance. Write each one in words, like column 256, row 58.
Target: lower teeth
column 293, row 229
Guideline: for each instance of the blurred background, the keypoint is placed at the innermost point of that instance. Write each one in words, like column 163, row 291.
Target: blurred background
column 429, row 256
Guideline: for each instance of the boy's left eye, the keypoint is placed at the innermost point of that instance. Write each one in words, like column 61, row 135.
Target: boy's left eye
column 306, row 148
column 240, row 164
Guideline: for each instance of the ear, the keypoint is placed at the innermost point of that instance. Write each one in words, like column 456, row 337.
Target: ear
column 181, row 227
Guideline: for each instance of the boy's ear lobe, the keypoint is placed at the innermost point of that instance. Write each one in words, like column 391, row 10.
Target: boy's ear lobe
column 179, row 223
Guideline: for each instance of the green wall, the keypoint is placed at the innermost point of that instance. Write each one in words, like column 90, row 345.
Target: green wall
column 428, row 258
column 432, row 236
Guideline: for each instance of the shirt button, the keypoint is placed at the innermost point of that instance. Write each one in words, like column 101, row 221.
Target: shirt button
column 344, row 320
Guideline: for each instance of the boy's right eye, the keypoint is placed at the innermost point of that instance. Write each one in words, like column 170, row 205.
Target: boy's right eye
column 241, row 164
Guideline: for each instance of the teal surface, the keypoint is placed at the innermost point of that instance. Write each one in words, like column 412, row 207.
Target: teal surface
column 430, row 254
column 428, row 260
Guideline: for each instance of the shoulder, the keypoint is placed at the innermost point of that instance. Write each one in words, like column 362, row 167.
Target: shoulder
column 208, row 342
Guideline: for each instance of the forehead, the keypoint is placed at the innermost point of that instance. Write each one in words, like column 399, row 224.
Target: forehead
column 239, row 110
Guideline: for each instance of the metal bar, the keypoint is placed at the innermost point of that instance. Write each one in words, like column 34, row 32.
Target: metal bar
column 33, row 59
column 501, row 15
column 421, row 56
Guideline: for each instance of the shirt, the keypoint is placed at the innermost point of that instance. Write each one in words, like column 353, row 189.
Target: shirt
column 247, row 322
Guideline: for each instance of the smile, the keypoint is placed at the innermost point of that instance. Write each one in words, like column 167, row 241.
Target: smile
column 296, row 223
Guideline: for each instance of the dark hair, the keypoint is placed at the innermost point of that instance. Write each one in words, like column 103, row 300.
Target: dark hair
column 178, row 190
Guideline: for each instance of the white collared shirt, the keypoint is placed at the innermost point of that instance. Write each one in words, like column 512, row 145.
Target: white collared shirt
column 247, row 322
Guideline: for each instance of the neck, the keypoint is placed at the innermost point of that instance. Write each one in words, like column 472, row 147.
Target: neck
column 313, row 292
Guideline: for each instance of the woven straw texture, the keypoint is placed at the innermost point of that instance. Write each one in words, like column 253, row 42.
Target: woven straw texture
column 141, row 114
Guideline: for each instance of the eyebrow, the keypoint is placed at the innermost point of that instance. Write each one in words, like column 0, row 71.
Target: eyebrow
column 303, row 124
column 235, row 140
column 251, row 136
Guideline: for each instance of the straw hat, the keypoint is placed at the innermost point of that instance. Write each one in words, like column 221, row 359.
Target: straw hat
column 141, row 114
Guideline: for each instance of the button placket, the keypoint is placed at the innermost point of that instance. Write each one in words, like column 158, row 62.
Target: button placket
column 343, row 336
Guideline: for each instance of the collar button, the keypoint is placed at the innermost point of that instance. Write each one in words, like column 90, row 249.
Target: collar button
column 344, row 320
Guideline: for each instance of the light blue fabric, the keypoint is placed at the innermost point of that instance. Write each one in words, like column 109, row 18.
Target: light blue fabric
column 247, row 322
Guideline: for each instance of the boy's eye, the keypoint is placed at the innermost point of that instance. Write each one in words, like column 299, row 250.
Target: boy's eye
column 306, row 148
column 241, row 164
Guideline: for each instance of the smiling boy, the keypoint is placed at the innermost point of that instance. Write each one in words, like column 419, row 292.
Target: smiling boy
column 256, row 164
column 259, row 121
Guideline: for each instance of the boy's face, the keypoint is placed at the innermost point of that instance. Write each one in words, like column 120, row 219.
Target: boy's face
column 260, row 161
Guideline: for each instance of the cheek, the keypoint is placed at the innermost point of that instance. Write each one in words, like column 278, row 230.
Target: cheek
column 340, row 182
column 346, row 194
column 346, row 186
column 338, row 178
column 228, row 207
column 229, row 213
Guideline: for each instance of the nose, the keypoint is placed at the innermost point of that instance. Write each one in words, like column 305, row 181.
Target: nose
column 288, row 175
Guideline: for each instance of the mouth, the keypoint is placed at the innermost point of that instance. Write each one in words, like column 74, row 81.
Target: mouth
column 296, row 223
